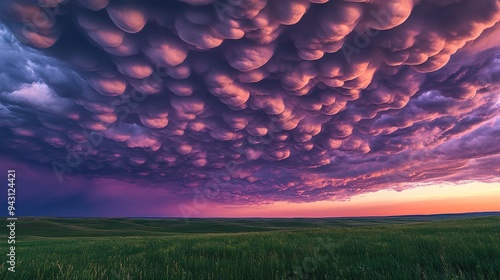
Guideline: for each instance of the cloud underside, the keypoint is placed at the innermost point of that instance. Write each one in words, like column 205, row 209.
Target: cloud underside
column 261, row 100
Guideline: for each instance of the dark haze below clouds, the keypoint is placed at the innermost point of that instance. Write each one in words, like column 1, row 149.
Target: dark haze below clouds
column 266, row 100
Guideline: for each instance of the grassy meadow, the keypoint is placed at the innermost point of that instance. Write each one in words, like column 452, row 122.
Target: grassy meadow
column 363, row 248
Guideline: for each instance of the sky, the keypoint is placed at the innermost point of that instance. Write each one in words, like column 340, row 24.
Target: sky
column 250, row 108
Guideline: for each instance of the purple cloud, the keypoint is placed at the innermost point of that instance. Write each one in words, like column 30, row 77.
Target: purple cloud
column 271, row 100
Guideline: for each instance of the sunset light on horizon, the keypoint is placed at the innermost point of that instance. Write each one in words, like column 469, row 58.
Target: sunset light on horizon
column 422, row 200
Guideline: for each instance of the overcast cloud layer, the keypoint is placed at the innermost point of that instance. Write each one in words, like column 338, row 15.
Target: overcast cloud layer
column 266, row 100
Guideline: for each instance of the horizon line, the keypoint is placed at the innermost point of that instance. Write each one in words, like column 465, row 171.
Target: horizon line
column 489, row 213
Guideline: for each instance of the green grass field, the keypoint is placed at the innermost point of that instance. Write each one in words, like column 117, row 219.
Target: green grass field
column 371, row 248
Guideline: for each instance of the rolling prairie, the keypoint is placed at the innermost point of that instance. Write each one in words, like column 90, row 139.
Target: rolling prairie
column 360, row 248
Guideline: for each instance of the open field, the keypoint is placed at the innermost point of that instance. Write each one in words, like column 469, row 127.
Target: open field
column 434, row 247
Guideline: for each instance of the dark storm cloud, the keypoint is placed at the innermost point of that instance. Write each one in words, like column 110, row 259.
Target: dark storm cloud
column 271, row 100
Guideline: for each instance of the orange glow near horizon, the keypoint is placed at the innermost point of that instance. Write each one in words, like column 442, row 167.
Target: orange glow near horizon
column 435, row 199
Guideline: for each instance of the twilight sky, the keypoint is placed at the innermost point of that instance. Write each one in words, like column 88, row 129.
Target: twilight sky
column 202, row 108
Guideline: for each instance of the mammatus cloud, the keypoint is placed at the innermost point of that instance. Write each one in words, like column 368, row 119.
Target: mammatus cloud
column 268, row 100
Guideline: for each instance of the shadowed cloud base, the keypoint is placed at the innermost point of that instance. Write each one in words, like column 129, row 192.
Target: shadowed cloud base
column 259, row 102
